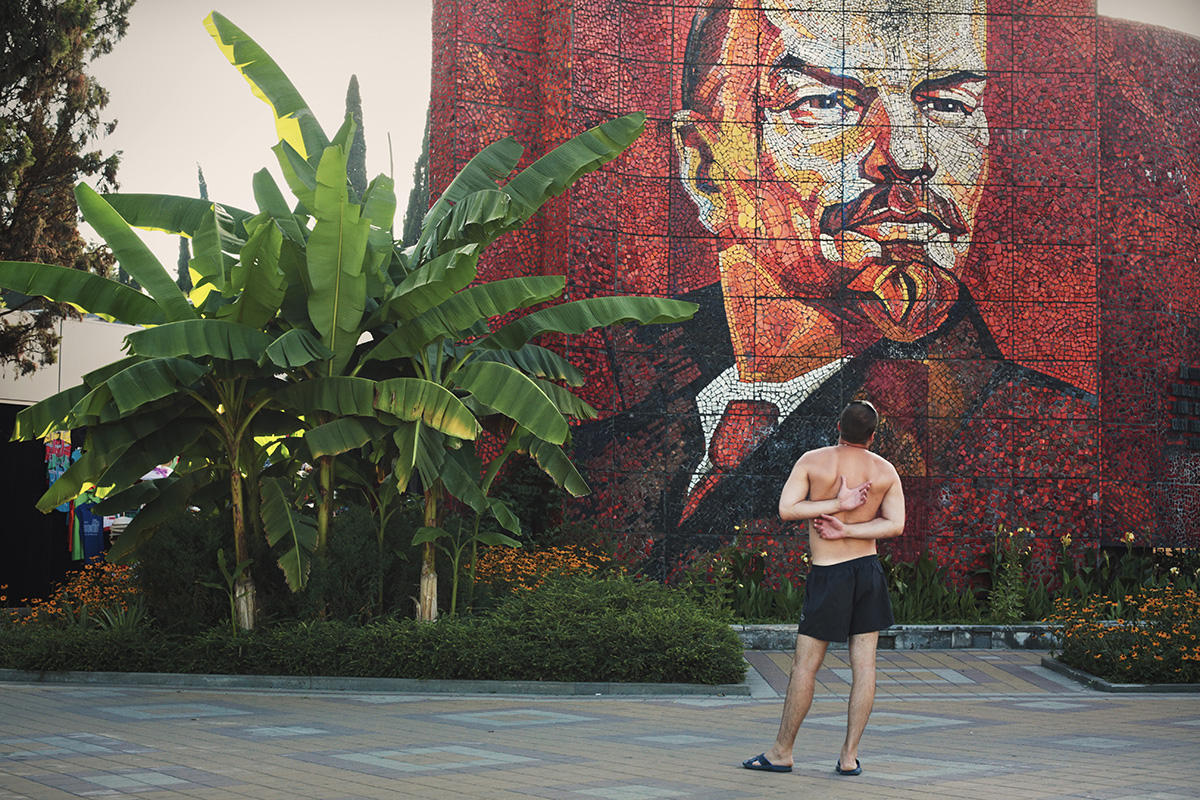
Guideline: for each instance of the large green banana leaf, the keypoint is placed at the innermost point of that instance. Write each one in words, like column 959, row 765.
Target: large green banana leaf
column 483, row 172
column 431, row 455
column 290, row 530
column 336, row 250
column 167, row 213
column 478, row 218
column 90, row 292
column 52, row 414
column 133, row 254
column 257, row 279
column 199, row 338
column 213, row 251
column 411, row 399
column 407, row 437
column 301, row 176
column 551, row 174
column 100, row 375
column 458, row 313
column 147, row 381
column 379, row 207
column 556, row 464
column 272, row 202
column 460, row 476
column 533, row 360
column 173, row 495
column 567, row 404
column 584, row 315
column 515, row 395
column 146, row 454
column 341, row 395
column 343, row 435
column 294, row 121
column 429, row 284
column 296, row 348
column 135, row 496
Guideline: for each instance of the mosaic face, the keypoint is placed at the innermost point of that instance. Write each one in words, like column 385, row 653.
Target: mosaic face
column 840, row 156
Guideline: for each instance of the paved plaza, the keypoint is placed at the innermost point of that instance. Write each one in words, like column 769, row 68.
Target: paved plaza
column 947, row 724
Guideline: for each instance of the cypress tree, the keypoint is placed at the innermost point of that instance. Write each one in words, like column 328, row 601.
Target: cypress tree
column 418, row 196
column 356, row 163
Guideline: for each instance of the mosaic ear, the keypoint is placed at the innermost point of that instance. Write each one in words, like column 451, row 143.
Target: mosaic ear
column 694, row 148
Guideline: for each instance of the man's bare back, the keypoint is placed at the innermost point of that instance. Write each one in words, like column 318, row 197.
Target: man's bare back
column 851, row 497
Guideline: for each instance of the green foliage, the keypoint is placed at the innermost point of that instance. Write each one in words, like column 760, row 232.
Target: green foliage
column 578, row 629
column 732, row 583
column 230, row 588
column 921, row 593
column 173, row 566
column 125, row 619
column 615, row 629
column 1008, row 559
column 355, row 569
column 51, row 121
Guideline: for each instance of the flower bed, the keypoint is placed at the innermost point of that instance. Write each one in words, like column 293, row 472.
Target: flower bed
column 1151, row 636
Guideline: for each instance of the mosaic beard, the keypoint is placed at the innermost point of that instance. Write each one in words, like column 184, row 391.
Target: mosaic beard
column 904, row 292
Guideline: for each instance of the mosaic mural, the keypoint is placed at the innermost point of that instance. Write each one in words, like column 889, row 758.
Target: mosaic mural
column 977, row 214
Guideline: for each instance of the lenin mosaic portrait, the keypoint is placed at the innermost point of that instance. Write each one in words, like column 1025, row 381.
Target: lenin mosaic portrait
column 920, row 203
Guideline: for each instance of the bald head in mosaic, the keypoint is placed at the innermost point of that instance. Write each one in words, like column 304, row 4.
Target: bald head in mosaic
column 837, row 149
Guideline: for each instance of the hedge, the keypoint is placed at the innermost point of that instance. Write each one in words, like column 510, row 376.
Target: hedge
column 572, row 629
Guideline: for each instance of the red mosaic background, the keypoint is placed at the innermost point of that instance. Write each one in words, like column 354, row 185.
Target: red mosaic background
column 1082, row 271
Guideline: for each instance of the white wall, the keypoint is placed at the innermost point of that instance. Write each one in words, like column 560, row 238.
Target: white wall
column 87, row 344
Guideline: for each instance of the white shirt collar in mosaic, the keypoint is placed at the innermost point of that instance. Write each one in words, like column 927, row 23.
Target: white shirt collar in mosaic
column 787, row 396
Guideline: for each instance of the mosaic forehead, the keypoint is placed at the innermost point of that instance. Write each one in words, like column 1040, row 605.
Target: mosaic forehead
column 891, row 34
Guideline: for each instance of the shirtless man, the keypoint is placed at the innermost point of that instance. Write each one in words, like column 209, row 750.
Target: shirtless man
column 852, row 498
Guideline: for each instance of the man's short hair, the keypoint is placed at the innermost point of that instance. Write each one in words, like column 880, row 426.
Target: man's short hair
column 858, row 422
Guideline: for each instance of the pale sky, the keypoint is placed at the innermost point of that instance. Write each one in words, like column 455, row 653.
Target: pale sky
column 179, row 102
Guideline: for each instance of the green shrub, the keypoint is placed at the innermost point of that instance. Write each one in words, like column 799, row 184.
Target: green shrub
column 182, row 552
column 615, row 629
column 572, row 629
column 921, row 593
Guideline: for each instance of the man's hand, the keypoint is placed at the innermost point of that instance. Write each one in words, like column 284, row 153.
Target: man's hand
column 851, row 498
column 829, row 527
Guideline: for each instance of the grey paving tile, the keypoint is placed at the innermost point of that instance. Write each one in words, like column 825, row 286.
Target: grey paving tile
column 973, row 724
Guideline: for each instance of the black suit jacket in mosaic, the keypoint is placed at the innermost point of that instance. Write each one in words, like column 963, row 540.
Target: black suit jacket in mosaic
column 973, row 435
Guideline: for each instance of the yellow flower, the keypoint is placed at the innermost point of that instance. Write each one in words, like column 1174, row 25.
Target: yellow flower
column 1128, row 537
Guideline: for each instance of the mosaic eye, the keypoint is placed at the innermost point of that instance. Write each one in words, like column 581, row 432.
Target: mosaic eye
column 837, row 107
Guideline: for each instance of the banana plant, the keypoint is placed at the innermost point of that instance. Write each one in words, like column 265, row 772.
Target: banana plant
column 307, row 319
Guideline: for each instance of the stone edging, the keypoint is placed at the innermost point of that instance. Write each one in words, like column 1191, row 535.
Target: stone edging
column 1094, row 682
column 916, row 637
column 374, row 685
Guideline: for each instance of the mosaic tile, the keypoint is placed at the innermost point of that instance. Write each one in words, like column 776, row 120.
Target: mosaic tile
column 996, row 247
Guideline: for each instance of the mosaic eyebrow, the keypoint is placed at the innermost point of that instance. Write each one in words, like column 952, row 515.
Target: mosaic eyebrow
column 953, row 79
column 790, row 63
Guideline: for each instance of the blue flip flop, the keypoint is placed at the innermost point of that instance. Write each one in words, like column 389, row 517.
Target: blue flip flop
column 760, row 762
column 856, row 771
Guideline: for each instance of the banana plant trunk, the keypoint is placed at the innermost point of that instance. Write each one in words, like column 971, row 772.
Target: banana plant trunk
column 245, row 598
column 427, row 592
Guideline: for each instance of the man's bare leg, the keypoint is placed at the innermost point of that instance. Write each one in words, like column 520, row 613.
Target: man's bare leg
column 806, row 661
column 862, row 693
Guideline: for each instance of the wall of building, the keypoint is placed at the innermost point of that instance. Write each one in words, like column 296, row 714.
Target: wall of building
column 1022, row 309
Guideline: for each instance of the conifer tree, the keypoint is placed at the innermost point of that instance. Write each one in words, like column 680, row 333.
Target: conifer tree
column 50, row 117
column 418, row 196
column 356, row 162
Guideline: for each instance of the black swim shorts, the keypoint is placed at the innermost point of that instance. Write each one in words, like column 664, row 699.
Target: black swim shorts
column 841, row 600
